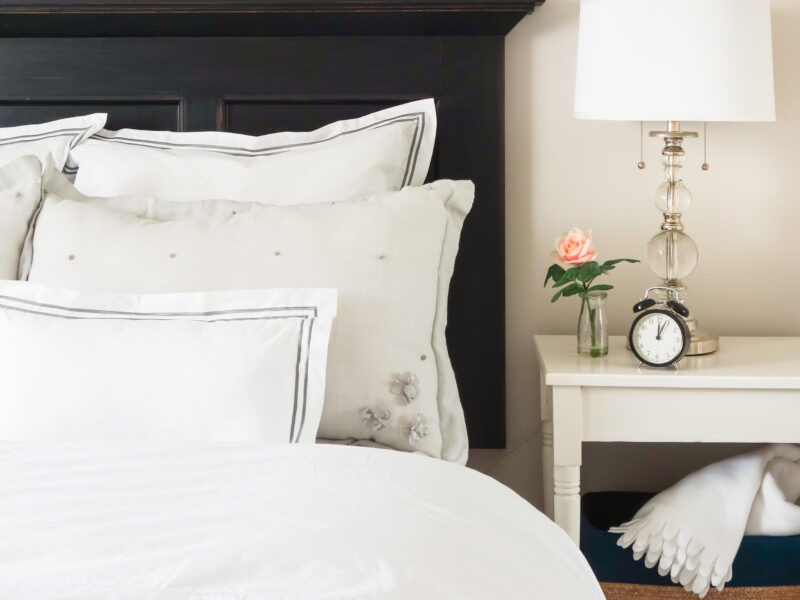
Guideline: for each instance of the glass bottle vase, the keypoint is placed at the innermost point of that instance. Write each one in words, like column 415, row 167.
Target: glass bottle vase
column 593, row 325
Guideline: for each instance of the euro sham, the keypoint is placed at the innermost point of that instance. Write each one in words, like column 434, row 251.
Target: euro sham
column 390, row 256
column 23, row 151
column 48, row 141
column 244, row 366
column 383, row 151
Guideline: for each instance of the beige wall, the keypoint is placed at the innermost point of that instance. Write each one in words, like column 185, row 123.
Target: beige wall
column 562, row 172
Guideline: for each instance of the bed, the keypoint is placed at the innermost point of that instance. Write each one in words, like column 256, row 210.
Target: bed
column 244, row 521
column 160, row 471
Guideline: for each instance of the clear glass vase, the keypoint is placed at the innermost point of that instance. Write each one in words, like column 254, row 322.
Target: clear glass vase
column 593, row 325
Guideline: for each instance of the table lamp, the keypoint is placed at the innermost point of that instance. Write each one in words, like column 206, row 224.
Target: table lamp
column 674, row 61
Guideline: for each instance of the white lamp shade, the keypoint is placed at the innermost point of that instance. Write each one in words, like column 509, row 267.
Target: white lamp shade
column 678, row 60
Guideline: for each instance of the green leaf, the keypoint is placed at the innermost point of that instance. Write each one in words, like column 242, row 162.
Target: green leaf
column 588, row 271
column 570, row 290
column 554, row 272
column 569, row 275
column 611, row 263
column 600, row 287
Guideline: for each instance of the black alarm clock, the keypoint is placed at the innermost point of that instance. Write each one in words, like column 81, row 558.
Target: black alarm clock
column 659, row 335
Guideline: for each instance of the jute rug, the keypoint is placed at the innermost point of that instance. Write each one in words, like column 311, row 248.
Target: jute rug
column 629, row 591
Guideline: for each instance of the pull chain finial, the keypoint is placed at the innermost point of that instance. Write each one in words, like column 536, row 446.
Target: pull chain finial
column 641, row 164
column 705, row 166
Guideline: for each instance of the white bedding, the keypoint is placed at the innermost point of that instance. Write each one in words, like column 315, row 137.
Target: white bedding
column 236, row 521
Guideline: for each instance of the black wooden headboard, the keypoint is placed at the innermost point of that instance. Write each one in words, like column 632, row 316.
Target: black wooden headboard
column 256, row 66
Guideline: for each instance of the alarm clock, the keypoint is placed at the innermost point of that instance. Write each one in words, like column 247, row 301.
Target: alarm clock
column 659, row 335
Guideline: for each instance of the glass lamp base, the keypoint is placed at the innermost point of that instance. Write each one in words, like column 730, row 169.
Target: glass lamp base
column 703, row 342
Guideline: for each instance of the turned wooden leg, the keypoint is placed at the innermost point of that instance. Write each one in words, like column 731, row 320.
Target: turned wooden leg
column 547, row 466
column 546, row 415
column 567, row 434
column 567, row 500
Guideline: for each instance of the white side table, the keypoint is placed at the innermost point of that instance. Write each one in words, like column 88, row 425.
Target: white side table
column 748, row 392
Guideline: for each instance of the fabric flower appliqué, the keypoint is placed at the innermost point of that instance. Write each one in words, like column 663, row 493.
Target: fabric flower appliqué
column 406, row 386
column 418, row 429
column 375, row 418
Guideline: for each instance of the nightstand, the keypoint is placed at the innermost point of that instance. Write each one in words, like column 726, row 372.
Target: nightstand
column 747, row 392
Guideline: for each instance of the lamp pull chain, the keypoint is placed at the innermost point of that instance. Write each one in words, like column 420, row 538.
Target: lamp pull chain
column 641, row 164
column 705, row 166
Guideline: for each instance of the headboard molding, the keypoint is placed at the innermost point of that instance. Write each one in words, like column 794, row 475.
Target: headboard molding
column 260, row 17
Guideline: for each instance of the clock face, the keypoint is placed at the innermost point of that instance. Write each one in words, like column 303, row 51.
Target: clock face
column 658, row 337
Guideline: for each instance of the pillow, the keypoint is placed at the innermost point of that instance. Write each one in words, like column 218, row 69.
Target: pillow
column 390, row 256
column 20, row 178
column 229, row 366
column 386, row 150
column 51, row 140
column 20, row 192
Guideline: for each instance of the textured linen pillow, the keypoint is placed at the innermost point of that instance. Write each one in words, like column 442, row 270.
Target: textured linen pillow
column 244, row 366
column 20, row 192
column 390, row 256
column 20, row 178
column 383, row 151
column 48, row 141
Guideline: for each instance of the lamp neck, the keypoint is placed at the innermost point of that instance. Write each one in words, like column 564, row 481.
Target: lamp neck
column 673, row 156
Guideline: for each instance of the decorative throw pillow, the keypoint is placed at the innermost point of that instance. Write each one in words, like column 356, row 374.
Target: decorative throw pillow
column 390, row 256
column 20, row 178
column 20, row 192
column 386, row 150
column 246, row 366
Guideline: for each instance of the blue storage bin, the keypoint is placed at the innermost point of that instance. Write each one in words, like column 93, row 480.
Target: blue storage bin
column 762, row 561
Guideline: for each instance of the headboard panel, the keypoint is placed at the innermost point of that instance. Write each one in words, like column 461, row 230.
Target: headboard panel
column 260, row 84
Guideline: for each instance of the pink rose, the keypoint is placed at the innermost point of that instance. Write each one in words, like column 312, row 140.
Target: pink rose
column 574, row 249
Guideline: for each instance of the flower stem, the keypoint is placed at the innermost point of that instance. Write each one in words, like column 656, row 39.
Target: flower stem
column 592, row 312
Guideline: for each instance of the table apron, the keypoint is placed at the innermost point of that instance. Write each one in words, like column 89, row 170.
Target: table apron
column 690, row 415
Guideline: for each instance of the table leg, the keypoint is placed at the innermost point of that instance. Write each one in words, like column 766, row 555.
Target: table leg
column 547, row 466
column 567, row 436
column 546, row 411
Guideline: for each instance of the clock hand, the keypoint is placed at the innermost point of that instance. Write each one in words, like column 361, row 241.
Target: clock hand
column 660, row 330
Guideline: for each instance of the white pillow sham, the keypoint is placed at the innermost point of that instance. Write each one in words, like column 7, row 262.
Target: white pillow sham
column 244, row 366
column 23, row 151
column 390, row 256
column 20, row 192
column 386, row 150
column 48, row 140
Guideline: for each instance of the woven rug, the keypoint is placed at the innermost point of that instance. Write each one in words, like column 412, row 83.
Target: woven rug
column 629, row 591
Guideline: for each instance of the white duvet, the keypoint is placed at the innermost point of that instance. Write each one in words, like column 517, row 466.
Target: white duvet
column 235, row 521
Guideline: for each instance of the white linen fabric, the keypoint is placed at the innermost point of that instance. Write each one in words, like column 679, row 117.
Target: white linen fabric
column 247, row 521
column 232, row 366
column 47, row 141
column 390, row 256
column 693, row 530
column 383, row 151
column 23, row 151
column 20, row 193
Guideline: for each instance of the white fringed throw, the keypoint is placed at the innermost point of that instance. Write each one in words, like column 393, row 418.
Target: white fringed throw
column 693, row 530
